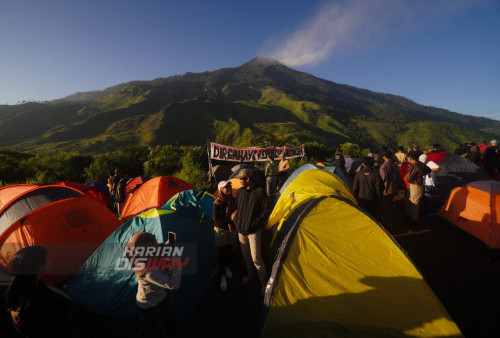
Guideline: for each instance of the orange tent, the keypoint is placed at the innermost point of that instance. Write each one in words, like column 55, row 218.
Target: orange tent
column 9, row 192
column 152, row 194
column 67, row 223
column 475, row 208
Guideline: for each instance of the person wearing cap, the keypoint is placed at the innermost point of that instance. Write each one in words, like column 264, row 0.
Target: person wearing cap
column 225, row 231
column 250, row 218
column 429, row 181
column 490, row 163
column 271, row 173
column 415, row 178
column 35, row 309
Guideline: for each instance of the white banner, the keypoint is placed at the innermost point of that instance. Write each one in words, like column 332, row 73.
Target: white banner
column 251, row 154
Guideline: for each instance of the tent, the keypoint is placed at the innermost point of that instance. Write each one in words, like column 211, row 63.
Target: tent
column 220, row 173
column 352, row 164
column 135, row 183
column 87, row 190
column 337, row 272
column 475, row 208
column 10, row 192
column 103, row 289
column 308, row 166
column 103, row 188
column 152, row 194
column 62, row 219
column 455, row 171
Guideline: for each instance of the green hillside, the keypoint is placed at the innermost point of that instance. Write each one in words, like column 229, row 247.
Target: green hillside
column 259, row 101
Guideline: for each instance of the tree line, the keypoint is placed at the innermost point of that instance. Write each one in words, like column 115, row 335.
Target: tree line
column 189, row 163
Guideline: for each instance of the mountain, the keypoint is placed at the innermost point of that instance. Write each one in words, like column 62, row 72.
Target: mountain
column 260, row 101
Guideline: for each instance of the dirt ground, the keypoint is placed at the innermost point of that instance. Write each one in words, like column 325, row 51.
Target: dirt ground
column 461, row 272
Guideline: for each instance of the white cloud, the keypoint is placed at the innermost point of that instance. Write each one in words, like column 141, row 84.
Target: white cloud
column 345, row 26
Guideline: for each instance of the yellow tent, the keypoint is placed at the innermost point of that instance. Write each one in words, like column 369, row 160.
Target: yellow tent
column 338, row 273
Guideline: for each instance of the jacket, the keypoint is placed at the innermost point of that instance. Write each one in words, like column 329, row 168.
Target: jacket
column 416, row 173
column 252, row 210
column 367, row 184
column 389, row 174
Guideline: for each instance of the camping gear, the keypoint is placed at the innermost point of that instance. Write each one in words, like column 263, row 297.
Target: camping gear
column 308, row 166
column 475, row 208
column 135, row 183
column 67, row 223
column 87, row 190
column 336, row 271
column 152, row 194
column 454, row 171
column 104, row 289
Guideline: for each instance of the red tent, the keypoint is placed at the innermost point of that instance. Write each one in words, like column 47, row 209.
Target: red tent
column 87, row 190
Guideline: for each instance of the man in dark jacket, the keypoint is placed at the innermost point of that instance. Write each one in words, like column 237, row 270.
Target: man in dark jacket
column 490, row 159
column 368, row 186
column 415, row 177
column 389, row 173
column 250, row 218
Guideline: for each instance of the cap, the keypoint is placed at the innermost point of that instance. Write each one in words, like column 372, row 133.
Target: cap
column 423, row 158
column 243, row 173
column 222, row 184
column 494, row 142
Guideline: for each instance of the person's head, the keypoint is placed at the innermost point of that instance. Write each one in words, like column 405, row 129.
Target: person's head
column 282, row 156
column 423, row 158
column 245, row 176
column 436, row 146
column 137, row 246
column 494, row 143
column 339, row 151
column 117, row 171
column 368, row 161
column 415, row 147
column 412, row 157
column 387, row 155
column 401, row 149
column 225, row 187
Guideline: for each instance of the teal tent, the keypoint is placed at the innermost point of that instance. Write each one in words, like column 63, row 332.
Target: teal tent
column 104, row 286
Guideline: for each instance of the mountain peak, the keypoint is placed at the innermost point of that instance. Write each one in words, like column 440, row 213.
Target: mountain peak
column 262, row 61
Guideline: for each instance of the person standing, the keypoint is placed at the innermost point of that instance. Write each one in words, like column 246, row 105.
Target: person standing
column 340, row 160
column 429, row 181
column 415, row 178
column 490, row 159
column 225, row 231
column 283, row 168
column 400, row 156
column 368, row 186
column 250, row 217
column 271, row 173
column 153, row 284
column 389, row 174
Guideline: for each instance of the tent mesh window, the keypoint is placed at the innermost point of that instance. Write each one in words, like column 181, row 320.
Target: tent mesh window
column 78, row 219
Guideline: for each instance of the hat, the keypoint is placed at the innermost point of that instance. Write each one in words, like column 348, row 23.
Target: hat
column 494, row 142
column 222, row 184
column 423, row 158
column 243, row 173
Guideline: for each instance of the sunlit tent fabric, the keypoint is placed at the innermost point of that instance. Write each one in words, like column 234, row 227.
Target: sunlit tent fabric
column 475, row 208
column 152, row 194
column 455, row 171
column 10, row 192
column 135, row 183
column 309, row 166
column 337, row 272
column 87, row 190
column 101, row 288
column 63, row 220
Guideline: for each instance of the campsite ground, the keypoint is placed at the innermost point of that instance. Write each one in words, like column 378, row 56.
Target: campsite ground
column 456, row 267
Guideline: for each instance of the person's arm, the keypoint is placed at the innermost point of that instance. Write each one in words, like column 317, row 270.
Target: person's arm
column 170, row 279
column 260, row 218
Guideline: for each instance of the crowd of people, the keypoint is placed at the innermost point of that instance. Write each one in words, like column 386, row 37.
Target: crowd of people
column 386, row 176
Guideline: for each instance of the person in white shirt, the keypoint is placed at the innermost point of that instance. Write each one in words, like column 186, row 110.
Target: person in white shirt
column 429, row 182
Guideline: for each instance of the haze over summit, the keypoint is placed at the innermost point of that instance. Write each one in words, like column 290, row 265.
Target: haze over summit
column 436, row 53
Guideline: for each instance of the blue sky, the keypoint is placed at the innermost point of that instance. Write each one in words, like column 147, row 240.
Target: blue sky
column 441, row 53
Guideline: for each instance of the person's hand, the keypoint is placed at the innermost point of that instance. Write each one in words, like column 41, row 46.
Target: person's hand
column 230, row 227
column 233, row 215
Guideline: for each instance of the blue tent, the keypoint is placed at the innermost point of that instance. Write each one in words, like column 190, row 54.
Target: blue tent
column 309, row 166
column 104, row 286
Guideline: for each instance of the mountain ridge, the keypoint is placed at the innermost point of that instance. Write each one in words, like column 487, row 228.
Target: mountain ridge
column 259, row 102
